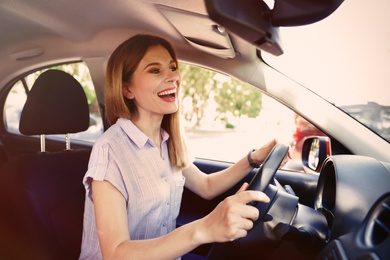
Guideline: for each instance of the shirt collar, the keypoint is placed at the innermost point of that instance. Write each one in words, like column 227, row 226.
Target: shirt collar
column 136, row 135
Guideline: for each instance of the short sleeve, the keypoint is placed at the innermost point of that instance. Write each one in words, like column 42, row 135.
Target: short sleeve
column 103, row 167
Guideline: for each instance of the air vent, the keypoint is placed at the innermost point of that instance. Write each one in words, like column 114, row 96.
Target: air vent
column 378, row 225
column 382, row 225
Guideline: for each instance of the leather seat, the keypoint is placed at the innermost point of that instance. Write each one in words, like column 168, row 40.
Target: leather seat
column 42, row 195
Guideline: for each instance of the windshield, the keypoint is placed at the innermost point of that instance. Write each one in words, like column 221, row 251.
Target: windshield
column 344, row 58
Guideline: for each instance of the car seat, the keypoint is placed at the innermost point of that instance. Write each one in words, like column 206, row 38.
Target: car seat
column 42, row 195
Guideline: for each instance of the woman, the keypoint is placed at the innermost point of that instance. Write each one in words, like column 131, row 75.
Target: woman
column 139, row 166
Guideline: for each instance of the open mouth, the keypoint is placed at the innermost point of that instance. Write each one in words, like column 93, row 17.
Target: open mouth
column 168, row 94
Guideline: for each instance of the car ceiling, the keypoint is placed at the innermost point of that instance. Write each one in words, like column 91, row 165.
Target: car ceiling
column 76, row 30
column 81, row 20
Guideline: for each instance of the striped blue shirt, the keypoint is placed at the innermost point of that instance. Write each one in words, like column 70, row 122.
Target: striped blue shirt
column 131, row 162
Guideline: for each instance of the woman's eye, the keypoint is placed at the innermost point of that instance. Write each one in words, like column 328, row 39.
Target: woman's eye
column 154, row 71
column 173, row 68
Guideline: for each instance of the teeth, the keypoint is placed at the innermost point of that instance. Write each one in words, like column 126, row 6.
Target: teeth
column 167, row 92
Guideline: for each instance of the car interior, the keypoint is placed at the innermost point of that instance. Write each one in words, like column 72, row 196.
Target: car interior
column 335, row 205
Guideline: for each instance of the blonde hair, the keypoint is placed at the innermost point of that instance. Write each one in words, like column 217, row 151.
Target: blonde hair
column 120, row 68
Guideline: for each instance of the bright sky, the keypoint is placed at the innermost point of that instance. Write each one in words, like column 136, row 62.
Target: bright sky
column 345, row 57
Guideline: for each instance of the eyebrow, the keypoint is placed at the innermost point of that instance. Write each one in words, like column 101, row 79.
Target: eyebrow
column 158, row 64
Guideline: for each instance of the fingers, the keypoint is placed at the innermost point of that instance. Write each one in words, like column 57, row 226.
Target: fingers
column 247, row 211
column 243, row 198
column 250, row 195
column 243, row 187
column 270, row 144
column 232, row 218
column 241, row 215
column 260, row 154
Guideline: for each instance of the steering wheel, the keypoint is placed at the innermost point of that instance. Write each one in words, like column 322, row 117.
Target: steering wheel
column 267, row 170
column 259, row 182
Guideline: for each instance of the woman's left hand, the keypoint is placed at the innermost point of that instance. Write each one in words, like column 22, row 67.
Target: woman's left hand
column 258, row 156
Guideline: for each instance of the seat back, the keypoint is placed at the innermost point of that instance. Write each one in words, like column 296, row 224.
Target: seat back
column 42, row 194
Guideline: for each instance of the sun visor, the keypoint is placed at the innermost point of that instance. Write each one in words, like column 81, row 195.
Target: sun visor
column 200, row 32
column 249, row 20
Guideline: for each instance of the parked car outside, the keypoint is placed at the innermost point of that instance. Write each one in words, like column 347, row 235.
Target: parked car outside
column 303, row 129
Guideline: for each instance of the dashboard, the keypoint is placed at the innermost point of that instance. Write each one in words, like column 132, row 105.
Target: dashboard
column 351, row 191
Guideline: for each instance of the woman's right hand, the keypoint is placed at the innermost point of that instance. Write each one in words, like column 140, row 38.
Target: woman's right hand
column 232, row 218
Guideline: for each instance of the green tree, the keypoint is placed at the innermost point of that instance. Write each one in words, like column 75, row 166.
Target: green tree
column 197, row 84
column 230, row 95
column 238, row 99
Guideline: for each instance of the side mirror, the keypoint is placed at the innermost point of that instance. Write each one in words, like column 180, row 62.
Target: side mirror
column 314, row 152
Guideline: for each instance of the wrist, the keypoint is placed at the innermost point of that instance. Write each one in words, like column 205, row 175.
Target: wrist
column 251, row 162
column 199, row 235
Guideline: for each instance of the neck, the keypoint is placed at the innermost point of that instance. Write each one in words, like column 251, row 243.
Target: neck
column 151, row 127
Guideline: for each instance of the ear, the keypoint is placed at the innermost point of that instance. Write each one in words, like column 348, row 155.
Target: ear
column 127, row 92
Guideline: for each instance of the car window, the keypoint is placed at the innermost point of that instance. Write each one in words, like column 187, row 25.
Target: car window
column 18, row 95
column 354, row 75
column 225, row 118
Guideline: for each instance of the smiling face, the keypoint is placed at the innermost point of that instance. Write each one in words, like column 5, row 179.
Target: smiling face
column 154, row 84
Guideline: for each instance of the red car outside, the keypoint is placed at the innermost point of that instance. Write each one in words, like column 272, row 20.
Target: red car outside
column 303, row 129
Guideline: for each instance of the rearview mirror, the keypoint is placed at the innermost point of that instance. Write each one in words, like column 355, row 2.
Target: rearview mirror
column 256, row 23
column 302, row 12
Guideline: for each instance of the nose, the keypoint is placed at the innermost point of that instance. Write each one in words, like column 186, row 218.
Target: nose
column 173, row 76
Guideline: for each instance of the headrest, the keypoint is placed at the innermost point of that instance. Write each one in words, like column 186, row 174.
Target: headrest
column 56, row 104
